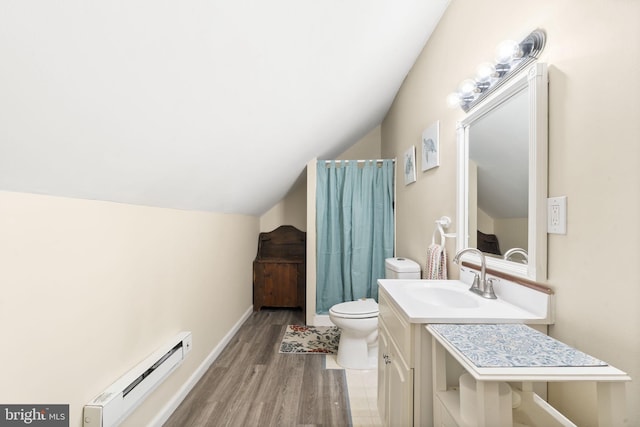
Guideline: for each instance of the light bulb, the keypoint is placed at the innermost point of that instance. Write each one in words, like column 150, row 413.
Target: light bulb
column 467, row 88
column 485, row 72
column 507, row 51
column 453, row 100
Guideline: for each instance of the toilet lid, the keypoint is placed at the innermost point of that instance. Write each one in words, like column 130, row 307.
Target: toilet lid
column 361, row 307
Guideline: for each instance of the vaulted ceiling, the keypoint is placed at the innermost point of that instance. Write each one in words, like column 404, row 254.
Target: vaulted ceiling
column 203, row 105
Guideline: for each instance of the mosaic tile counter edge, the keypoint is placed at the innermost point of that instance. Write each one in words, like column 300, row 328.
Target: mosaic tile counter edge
column 512, row 345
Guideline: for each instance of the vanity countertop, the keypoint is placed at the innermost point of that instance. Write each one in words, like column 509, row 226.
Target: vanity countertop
column 516, row 352
column 449, row 301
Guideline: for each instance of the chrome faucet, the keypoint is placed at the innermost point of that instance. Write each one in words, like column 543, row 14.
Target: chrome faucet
column 481, row 286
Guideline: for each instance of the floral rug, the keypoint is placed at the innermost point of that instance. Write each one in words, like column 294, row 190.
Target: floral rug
column 310, row 339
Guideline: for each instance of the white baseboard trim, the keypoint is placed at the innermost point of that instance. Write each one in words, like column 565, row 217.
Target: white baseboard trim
column 173, row 403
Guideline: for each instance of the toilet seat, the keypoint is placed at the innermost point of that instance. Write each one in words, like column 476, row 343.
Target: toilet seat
column 363, row 308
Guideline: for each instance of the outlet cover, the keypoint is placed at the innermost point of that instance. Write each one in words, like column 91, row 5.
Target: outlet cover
column 557, row 215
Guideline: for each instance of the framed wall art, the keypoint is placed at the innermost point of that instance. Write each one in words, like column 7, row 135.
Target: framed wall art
column 410, row 165
column 431, row 147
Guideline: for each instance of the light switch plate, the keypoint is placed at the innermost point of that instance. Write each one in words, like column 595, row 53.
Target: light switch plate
column 557, row 215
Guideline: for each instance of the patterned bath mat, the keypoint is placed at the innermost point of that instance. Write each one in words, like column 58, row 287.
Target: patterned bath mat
column 310, row 339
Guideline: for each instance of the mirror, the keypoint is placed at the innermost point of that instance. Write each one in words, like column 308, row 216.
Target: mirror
column 498, row 178
column 502, row 176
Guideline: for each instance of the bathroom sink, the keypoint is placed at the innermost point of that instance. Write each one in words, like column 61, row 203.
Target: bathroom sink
column 450, row 301
column 443, row 297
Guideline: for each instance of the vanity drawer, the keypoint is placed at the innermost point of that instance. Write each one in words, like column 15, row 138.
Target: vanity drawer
column 399, row 328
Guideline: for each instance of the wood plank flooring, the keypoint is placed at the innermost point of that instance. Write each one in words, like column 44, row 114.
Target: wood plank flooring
column 252, row 384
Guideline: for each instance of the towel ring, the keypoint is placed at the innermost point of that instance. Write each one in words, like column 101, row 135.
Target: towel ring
column 441, row 224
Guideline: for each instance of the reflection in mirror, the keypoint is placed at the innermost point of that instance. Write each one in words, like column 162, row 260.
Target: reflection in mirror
column 502, row 176
column 499, row 180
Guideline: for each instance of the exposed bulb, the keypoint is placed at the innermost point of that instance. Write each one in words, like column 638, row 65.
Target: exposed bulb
column 453, row 100
column 485, row 72
column 507, row 51
column 467, row 88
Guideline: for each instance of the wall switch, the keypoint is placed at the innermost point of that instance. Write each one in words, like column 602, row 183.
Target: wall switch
column 557, row 215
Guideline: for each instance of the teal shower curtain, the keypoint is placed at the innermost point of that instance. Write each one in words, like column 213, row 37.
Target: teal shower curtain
column 355, row 229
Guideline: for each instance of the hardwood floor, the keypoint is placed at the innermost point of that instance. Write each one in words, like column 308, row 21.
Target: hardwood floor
column 252, row 384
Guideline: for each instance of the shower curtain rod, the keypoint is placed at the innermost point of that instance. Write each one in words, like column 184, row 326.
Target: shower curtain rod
column 359, row 161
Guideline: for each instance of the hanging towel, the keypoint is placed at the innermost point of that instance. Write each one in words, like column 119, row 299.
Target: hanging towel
column 436, row 268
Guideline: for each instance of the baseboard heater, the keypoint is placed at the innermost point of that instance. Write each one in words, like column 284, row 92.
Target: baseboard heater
column 114, row 404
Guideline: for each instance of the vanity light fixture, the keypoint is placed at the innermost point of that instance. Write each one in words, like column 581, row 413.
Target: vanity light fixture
column 510, row 57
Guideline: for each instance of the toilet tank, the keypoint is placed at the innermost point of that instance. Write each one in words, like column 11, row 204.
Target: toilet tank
column 401, row 268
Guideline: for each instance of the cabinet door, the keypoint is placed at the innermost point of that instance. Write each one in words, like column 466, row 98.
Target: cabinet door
column 395, row 384
column 280, row 285
column 400, row 385
column 383, row 374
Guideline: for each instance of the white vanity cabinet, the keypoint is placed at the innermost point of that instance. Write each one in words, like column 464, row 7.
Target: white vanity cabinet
column 401, row 375
column 405, row 376
column 395, row 383
column 395, row 374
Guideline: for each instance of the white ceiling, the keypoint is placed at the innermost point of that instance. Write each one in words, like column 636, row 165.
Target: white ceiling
column 203, row 105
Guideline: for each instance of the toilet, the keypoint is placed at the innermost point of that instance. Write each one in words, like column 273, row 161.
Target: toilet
column 358, row 320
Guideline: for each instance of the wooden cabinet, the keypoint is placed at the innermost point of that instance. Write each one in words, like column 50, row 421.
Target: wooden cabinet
column 278, row 284
column 279, row 273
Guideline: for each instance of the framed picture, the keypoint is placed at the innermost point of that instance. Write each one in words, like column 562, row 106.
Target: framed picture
column 431, row 147
column 410, row 165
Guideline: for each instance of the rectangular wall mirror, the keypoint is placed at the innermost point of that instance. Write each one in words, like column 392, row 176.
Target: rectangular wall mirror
column 502, row 176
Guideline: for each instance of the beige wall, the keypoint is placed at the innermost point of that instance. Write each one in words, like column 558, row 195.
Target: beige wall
column 593, row 52
column 291, row 210
column 90, row 288
column 513, row 233
column 368, row 147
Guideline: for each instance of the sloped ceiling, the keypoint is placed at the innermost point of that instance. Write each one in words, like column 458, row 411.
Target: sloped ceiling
column 200, row 105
